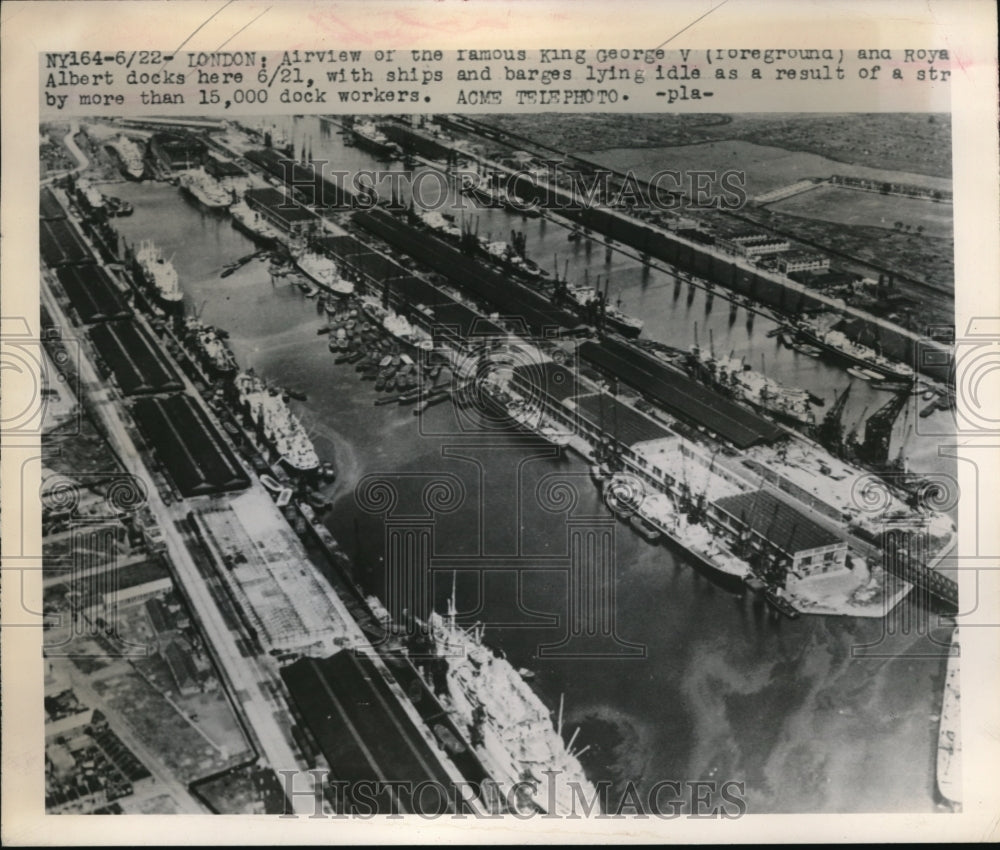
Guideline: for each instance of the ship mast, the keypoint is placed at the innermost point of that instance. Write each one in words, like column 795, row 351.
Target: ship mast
column 451, row 599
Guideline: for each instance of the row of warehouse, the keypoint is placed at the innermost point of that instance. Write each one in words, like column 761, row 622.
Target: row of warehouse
column 189, row 446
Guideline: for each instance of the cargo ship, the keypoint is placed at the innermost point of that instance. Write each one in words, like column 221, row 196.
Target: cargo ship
column 130, row 158
column 949, row 751
column 506, row 256
column 515, row 204
column 733, row 377
column 837, row 344
column 276, row 424
column 369, row 137
column 161, row 275
column 214, row 353
column 592, row 305
column 497, row 396
column 507, row 724
column 325, row 272
column 205, row 189
column 624, row 492
column 254, row 225
column 278, row 139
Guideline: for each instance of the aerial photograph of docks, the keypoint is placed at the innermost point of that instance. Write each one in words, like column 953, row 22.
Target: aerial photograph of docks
column 560, row 465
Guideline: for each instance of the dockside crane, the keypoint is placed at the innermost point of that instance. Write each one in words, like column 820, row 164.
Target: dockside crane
column 874, row 449
column 830, row 432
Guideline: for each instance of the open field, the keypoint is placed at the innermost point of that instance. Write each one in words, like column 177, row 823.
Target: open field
column 855, row 207
column 909, row 142
column 766, row 166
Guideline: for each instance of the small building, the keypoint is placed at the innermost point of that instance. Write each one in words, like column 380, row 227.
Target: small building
column 754, row 245
column 182, row 669
column 803, row 261
column 772, row 526
column 137, row 583
column 159, row 617
column 64, row 714
column 104, row 594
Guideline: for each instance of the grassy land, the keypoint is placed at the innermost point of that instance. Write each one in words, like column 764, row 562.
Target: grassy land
column 853, row 207
column 911, row 142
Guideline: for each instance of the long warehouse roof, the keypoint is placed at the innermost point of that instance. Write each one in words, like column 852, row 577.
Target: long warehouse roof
column 361, row 728
column 680, row 395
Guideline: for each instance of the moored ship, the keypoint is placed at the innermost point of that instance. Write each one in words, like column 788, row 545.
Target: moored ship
column 836, row 343
column 398, row 326
column 532, row 419
column 130, row 158
column 367, row 136
column 212, row 348
column 204, row 188
column 734, row 377
column 478, row 186
column 626, row 496
column 505, row 721
column 594, row 307
column 325, row 272
column 90, row 194
column 160, row 274
column 276, row 424
column 437, row 221
column 254, row 225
